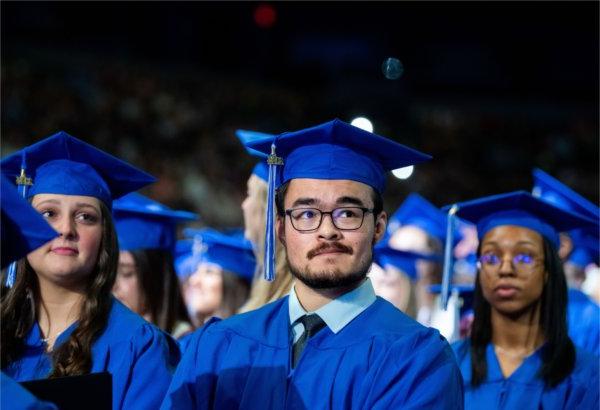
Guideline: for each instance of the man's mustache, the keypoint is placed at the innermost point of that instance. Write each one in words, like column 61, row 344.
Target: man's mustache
column 328, row 247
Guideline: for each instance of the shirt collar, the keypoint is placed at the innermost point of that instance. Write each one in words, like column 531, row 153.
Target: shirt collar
column 339, row 312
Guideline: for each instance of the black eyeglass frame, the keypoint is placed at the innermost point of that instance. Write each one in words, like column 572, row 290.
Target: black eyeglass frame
column 364, row 210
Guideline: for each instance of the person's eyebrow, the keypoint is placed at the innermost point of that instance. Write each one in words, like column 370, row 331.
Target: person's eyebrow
column 86, row 205
column 304, row 201
column 350, row 200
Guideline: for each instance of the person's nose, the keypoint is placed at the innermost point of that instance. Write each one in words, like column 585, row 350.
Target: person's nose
column 328, row 230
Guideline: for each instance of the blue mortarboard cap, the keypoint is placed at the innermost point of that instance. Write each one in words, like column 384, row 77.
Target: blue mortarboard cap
column 23, row 228
column 333, row 150
column 337, row 150
column 261, row 169
column 246, row 137
column 585, row 241
column 586, row 246
column 185, row 263
column 62, row 164
column 522, row 209
column 403, row 260
column 552, row 190
column 230, row 252
column 417, row 211
column 514, row 208
column 142, row 223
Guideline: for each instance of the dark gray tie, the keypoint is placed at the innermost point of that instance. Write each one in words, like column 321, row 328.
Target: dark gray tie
column 312, row 324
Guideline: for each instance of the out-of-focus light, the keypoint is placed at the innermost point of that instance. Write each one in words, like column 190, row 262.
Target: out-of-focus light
column 403, row 173
column 265, row 16
column 363, row 123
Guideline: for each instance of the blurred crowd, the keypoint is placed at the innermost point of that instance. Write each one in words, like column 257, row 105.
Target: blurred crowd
column 178, row 122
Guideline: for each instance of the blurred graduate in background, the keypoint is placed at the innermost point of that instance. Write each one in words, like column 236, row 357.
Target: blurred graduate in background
column 420, row 227
column 60, row 318
column 146, row 279
column 219, row 284
column 254, row 209
column 579, row 253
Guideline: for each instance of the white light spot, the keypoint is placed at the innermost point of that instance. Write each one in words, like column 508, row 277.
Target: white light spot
column 403, row 173
column 363, row 123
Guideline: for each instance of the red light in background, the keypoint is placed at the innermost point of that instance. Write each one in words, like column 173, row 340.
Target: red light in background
column 265, row 16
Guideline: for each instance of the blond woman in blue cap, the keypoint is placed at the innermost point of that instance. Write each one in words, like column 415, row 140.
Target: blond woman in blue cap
column 59, row 317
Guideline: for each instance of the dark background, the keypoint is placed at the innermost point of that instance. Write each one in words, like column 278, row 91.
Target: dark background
column 491, row 90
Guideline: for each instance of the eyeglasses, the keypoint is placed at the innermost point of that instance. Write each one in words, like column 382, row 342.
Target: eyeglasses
column 522, row 262
column 310, row 219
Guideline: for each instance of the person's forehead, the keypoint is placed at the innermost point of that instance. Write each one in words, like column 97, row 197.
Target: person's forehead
column 328, row 190
column 512, row 234
column 82, row 200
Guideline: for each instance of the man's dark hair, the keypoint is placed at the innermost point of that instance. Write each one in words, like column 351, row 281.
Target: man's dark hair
column 558, row 355
column 282, row 190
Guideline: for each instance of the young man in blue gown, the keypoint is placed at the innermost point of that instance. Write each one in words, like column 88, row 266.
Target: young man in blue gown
column 331, row 343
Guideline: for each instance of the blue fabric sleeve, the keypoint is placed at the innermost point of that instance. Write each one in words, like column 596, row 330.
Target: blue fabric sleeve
column 142, row 375
column 193, row 382
column 13, row 396
column 424, row 375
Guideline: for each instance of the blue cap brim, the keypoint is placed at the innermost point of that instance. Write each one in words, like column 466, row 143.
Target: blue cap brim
column 23, row 228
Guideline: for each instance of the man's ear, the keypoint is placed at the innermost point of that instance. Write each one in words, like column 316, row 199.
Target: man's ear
column 380, row 225
column 280, row 229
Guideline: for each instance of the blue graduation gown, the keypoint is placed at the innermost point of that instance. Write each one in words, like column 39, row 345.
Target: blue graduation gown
column 583, row 317
column 523, row 389
column 140, row 357
column 13, row 396
column 382, row 359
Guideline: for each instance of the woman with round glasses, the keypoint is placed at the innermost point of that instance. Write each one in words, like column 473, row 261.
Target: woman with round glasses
column 519, row 354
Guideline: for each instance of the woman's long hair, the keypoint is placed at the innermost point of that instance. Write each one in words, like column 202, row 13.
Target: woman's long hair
column 262, row 291
column 235, row 293
column 558, row 354
column 160, row 288
column 18, row 309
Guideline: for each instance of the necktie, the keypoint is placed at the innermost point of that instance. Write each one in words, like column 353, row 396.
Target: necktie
column 312, row 324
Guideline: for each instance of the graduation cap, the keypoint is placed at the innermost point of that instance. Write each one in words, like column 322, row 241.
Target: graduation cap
column 63, row 164
column 552, row 190
column 142, row 223
column 585, row 241
column 586, row 246
column 333, row 150
column 518, row 208
column 403, row 260
column 419, row 212
column 185, row 264
column 23, row 228
column 261, row 170
column 231, row 252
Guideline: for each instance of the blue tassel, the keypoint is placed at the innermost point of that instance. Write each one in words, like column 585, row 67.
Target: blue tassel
column 269, row 262
column 448, row 259
column 23, row 183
